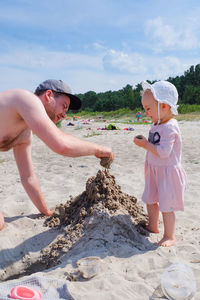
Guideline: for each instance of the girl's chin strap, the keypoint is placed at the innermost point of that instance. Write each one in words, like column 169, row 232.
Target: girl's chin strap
column 158, row 113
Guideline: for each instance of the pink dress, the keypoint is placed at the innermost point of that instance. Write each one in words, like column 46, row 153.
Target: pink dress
column 165, row 178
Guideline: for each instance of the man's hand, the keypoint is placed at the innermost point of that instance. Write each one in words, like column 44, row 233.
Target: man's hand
column 106, row 155
column 48, row 213
column 102, row 152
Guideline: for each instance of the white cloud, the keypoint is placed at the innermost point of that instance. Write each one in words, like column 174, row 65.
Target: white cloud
column 123, row 62
column 100, row 71
column 99, row 46
column 168, row 37
column 168, row 66
column 39, row 57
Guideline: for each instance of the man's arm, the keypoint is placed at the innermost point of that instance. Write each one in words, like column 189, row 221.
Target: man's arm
column 22, row 153
column 31, row 109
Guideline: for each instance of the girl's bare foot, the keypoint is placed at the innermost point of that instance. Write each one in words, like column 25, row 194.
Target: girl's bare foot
column 152, row 229
column 167, row 242
column 169, row 229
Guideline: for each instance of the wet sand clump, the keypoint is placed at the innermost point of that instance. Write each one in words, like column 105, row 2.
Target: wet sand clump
column 105, row 162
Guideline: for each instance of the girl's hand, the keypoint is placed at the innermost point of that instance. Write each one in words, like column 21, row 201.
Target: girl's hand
column 140, row 141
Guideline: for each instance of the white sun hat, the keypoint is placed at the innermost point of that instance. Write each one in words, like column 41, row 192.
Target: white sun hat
column 164, row 92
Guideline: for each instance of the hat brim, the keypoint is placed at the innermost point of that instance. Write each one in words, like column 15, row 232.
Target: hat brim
column 75, row 102
column 148, row 86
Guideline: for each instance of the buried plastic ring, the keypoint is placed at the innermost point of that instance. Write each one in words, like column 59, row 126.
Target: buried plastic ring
column 25, row 293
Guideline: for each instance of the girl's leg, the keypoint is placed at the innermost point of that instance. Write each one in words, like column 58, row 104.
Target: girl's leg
column 153, row 214
column 1, row 221
column 169, row 229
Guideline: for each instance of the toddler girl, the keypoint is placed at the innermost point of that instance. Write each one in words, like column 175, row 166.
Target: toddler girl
column 164, row 176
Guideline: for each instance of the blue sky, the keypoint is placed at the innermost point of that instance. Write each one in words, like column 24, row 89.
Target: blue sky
column 96, row 45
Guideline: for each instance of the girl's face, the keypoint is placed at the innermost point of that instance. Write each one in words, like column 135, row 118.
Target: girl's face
column 150, row 106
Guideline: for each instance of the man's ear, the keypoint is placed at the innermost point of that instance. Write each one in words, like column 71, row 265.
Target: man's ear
column 48, row 94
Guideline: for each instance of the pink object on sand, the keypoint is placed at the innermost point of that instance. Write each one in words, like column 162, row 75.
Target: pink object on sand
column 25, row 293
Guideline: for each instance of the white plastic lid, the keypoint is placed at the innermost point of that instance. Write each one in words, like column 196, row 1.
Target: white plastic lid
column 178, row 282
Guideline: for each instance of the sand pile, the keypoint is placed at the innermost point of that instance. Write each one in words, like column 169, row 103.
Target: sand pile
column 100, row 219
column 101, row 192
column 102, row 196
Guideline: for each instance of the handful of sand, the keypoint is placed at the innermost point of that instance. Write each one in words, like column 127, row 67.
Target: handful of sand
column 105, row 162
column 139, row 137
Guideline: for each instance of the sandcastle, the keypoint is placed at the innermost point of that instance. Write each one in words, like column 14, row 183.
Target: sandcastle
column 101, row 196
column 98, row 220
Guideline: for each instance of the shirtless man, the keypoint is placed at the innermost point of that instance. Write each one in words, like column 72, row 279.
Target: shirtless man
column 21, row 113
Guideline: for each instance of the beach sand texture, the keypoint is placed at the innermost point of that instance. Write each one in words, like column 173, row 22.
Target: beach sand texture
column 130, row 264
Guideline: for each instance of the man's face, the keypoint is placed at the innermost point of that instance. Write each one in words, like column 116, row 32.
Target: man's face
column 57, row 107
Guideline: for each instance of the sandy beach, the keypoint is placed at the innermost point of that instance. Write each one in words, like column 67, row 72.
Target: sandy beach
column 130, row 264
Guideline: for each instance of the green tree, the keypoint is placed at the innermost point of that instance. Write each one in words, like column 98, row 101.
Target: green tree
column 188, row 86
column 89, row 100
column 191, row 95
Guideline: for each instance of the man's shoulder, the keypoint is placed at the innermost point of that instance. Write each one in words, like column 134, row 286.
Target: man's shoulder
column 14, row 92
column 23, row 94
column 16, row 96
column 24, row 98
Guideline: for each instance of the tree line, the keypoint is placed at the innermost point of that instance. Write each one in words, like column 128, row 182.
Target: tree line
column 188, row 86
